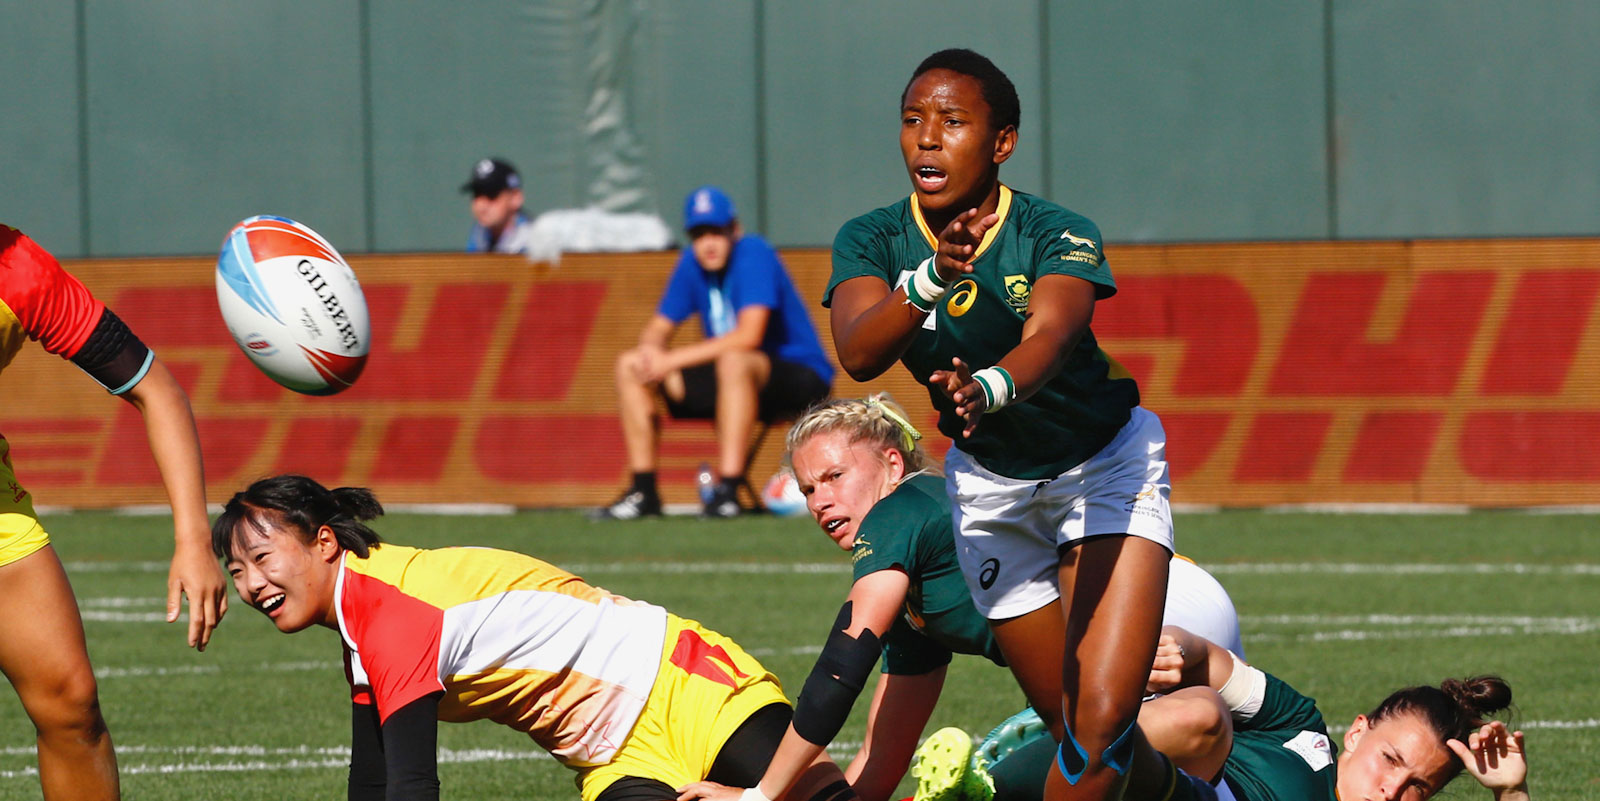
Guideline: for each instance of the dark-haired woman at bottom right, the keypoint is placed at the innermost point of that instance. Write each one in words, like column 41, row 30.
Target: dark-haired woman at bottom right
column 1273, row 744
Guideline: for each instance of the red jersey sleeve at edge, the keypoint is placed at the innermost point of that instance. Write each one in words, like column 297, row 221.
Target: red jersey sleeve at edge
column 53, row 307
column 397, row 637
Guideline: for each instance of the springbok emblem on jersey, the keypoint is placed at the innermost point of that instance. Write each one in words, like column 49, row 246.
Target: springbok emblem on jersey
column 1081, row 242
column 1017, row 291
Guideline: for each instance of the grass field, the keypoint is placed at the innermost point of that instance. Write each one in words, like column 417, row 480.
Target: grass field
column 1343, row 607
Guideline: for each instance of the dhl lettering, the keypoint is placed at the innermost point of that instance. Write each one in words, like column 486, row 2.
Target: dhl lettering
column 1283, row 373
column 1330, row 350
column 1216, row 350
column 1545, row 321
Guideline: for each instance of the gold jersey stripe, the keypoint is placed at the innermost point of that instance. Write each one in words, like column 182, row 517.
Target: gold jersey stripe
column 1002, row 210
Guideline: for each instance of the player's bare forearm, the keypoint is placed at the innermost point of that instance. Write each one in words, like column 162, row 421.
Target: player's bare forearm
column 872, row 326
column 175, row 444
column 1059, row 312
column 793, row 756
column 901, row 706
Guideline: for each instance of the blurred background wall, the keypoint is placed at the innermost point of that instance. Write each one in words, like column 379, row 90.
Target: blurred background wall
column 150, row 127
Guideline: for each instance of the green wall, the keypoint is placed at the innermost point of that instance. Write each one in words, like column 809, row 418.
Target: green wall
column 150, row 127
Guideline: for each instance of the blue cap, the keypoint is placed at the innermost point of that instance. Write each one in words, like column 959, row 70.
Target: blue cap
column 707, row 205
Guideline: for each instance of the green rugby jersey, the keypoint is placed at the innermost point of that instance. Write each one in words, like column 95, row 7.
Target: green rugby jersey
column 980, row 320
column 1283, row 752
column 910, row 529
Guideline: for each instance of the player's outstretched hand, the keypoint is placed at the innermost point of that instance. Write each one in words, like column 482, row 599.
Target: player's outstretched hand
column 959, row 241
column 1496, row 758
column 957, row 385
column 195, row 575
column 709, row 790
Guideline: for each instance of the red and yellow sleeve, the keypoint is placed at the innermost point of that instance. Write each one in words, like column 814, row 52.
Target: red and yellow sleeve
column 41, row 299
column 397, row 640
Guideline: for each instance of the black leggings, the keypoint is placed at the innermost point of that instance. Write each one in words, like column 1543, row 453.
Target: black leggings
column 741, row 762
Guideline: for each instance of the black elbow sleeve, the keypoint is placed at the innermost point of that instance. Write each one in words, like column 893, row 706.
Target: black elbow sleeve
column 113, row 355
column 835, row 681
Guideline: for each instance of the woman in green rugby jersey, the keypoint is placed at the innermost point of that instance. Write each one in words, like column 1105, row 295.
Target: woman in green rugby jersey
column 875, row 493
column 1271, row 743
column 1058, row 478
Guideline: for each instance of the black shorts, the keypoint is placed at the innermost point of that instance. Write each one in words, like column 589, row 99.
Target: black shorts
column 790, row 389
column 741, row 762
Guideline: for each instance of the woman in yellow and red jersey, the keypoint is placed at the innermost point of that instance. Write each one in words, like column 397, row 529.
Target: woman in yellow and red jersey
column 42, row 649
column 640, row 702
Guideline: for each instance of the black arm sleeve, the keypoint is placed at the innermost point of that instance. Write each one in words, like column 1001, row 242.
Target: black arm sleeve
column 835, row 681
column 366, row 754
column 113, row 355
column 411, row 750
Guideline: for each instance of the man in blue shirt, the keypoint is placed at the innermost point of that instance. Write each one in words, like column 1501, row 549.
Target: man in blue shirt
column 760, row 358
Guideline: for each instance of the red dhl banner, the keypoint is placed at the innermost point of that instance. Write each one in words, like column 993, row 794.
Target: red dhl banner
column 1460, row 372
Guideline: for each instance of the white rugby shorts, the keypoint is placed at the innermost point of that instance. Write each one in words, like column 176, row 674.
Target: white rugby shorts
column 1009, row 530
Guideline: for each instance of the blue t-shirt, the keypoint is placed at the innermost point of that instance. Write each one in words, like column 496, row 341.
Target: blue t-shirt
column 754, row 277
column 513, row 240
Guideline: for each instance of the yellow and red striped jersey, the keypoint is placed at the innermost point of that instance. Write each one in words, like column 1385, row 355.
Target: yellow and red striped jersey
column 506, row 637
column 39, row 300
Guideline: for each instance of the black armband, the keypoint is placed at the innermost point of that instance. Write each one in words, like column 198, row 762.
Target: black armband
column 835, row 681
column 113, row 355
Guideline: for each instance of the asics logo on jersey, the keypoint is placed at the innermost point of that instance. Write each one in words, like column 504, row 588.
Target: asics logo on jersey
column 962, row 296
column 1077, row 240
column 988, row 572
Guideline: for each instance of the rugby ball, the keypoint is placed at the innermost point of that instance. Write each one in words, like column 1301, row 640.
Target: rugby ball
column 782, row 495
column 293, row 306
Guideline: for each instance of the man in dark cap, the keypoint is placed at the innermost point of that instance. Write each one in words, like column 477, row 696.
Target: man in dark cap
column 496, row 191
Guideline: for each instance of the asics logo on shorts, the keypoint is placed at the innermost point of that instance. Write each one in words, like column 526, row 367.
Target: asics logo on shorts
column 988, row 572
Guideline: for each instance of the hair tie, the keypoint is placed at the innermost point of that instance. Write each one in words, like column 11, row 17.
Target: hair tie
column 908, row 432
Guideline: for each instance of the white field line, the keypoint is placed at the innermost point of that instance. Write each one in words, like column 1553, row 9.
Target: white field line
column 140, row 671
column 1382, row 568
column 116, row 567
column 1369, row 508
column 794, row 650
column 301, row 758
column 1417, row 620
column 1217, row 568
column 123, row 602
column 1391, row 627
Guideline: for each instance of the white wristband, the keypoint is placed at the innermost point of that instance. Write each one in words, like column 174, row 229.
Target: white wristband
column 925, row 287
column 1245, row 689
column 753, row 794
column 997, row 387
